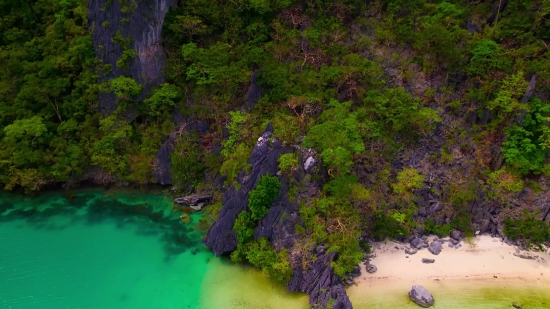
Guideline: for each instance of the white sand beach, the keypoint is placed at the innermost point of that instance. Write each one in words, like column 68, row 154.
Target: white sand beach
column 483, row 273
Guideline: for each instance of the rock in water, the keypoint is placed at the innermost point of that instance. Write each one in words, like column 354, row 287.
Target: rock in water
column 371, row 269
column 435, row 247
column 421, row 296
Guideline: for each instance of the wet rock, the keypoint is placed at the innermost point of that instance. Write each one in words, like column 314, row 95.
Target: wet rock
column 371, row 268
column 421, row 296
column 435, row 247
column 428, row 261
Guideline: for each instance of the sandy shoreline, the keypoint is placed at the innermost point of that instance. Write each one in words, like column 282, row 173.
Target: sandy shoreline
column 484, row 265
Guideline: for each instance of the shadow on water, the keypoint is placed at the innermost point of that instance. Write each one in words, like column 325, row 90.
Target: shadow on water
column 91, row 209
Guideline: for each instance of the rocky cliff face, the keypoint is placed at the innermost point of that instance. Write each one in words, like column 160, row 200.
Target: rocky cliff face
column 139, row 23
column 278, row 226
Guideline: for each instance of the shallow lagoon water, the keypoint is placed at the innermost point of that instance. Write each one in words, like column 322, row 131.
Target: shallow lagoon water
column 101, row 249
column 113, row 249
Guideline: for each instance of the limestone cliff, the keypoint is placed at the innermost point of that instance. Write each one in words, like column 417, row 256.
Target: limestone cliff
column 139, row 24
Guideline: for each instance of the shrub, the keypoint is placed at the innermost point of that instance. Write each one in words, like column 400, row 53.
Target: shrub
column 260, row 199
column 534, row 231
column 525, row 147
column 288, row 162
column 487, row 56
column 275, row 265
column 503, row 183
column 408, row 180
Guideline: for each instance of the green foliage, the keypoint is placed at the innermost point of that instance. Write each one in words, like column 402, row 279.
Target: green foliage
column 236, row 162
column 124, row 88
column 385, row 225
column 511, row 90
column 408, row 179
column 486, row 57
column 534, row 231
column 397, row 111
column 337, row 137
column 261, row 198
column 162, row 99
column 525, row 147
column 244, row 227
column 504, row 183
column 275, row 265
column 186, row 164
column 234, row 127
column 288, row 162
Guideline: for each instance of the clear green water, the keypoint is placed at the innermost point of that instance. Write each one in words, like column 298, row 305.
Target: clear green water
column 122, row 250
column 125, row 250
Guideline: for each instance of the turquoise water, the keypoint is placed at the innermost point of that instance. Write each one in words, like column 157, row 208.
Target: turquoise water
column 98, row 249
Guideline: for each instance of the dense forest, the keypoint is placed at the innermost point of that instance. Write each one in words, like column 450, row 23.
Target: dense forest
column 420, row 111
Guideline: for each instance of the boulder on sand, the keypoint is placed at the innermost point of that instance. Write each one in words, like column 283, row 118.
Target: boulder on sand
column 421, row 296
column 435, row 247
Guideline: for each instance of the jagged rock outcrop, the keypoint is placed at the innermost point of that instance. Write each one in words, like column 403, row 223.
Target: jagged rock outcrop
column 320, row 283
column 138, row 22
column 278, row 226
column 221, row 238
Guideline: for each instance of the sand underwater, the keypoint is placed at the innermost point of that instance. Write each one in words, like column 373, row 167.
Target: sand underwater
column 128, row 249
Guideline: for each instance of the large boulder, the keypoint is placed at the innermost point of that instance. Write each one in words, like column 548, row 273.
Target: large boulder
column 435, row 247
column 421, row 296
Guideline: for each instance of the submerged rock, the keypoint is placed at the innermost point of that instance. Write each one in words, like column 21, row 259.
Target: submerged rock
column 421, row 296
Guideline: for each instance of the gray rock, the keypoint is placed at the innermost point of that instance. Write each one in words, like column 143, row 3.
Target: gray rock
column 451, row 245
column 411, row 251
column 371, row 268
column 194, row 199
column 309, row 164
column 456, row 235
column 435, row 247
column 421, row 296
column 428, row 261
column 417, row 243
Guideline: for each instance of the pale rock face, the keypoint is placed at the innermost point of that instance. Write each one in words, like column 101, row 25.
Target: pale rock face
column 142, row 26
column 308, row 165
